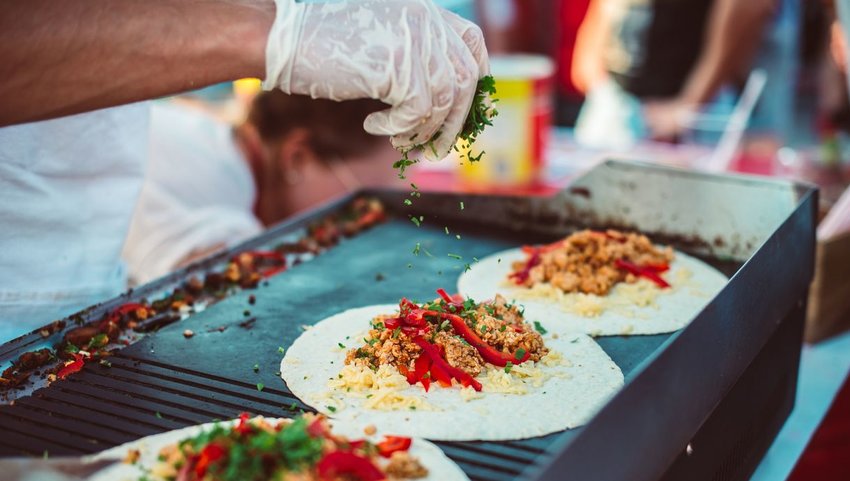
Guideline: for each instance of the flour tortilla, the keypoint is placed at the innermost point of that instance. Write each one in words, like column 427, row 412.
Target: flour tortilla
column 693, row 284
column 580, row 386
column 432, row 458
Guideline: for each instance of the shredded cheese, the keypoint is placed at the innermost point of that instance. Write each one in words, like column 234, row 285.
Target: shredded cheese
column 382, row 389
column 622, row 299
column 521, row 376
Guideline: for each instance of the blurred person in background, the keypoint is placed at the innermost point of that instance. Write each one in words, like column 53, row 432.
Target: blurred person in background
column 209, row 185
column 647, row 66
column 71, row 171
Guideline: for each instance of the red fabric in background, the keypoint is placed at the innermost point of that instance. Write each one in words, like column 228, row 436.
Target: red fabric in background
column 827, row 456
column 570, row 15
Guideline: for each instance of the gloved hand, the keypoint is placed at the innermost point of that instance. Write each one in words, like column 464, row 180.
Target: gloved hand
column 423, row 61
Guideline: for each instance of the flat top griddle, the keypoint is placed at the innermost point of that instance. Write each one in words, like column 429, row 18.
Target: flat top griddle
column 167, row 381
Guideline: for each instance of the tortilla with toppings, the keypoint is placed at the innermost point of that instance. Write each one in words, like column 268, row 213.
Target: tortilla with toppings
column 307, row 448
column 599, row 283
column 450, row 369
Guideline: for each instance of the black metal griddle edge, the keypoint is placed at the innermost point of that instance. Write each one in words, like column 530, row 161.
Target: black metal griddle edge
column 663, row 407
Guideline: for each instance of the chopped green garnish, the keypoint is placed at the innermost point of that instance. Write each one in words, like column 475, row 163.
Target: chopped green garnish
column 256, row 368
column 503, row 328
column 416, row 249
column 508, row 367
column 331, row 409
column 260, row 386
column 455, row 256
column 415, row 221
column 539, row 328
column 461, row 205
column 447, row 230
column 457, row 236
column 396, row 332
column 408, row 202
column 445, row 325
column 292, row 407
column 341, row 345
column 280, row 350
column 158, row 415
column 519, row 354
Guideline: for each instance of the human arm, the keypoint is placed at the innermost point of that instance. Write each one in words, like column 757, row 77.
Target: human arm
column 733, row 34
column 61, row 58
column 588, row 66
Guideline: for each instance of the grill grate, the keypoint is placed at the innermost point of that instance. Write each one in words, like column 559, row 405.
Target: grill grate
column 102, row 407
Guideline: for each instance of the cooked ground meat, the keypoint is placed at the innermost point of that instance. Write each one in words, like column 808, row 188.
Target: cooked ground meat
column 499, row 324
column 584, row 261
column 384, row 347
column 404, row 466
column 460, row 354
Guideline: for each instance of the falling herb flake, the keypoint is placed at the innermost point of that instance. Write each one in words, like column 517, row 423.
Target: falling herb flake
column 455, row 256
column 461, row 205
column 447, row 230
column 260, row 386
column 415, row 220
column 417, row 248
column 158, row 415
column 341, row 345
column 292, row 407
column 539, row 328
column 457, row 236
column 256, row 368
column 280, row 350
column 408, row 202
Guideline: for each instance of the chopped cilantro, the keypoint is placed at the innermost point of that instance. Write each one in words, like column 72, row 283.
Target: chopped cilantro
column 447, row 230
column 539, row 328
column 508, row 367
column 408, row 202
column 158, row 415
column 331, row 409
column 260, row 386
column 256, row 368
column 445, row 325
column 503, row 328
column 417, row 248
column 455, row 256
column 461, row 205
column 415, row 220
column 457, row 236
column 280, row 350
column 519, row 354
column 396, row 332
column 341, row 345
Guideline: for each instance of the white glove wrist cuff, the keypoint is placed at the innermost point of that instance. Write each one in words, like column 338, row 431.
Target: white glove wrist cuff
column 282, row 44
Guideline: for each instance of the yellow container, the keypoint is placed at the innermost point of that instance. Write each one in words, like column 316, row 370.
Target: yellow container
column 515, row 145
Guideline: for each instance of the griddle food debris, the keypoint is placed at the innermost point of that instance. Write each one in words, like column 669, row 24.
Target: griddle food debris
column 449, row 340
column 302, row 449
column 95, row 340
column 592, row 262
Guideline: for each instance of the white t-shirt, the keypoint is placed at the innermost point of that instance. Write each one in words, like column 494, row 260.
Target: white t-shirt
column 67, row 190
column 198, row 192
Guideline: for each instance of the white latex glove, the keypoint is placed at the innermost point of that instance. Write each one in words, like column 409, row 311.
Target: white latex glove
column 423, row 61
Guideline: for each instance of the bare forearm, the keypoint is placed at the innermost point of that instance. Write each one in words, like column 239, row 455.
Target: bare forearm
column 60, row 58
column 732, row 37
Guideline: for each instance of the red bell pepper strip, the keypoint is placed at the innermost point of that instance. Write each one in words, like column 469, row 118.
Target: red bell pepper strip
column 488, row 352
column 210, row 454
column 392, row 444
column 649, row 272
column 72, row 367
column 243, row 426
column 317, row 428
column 441, row 370
column 338, row 464
column 521, row 276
